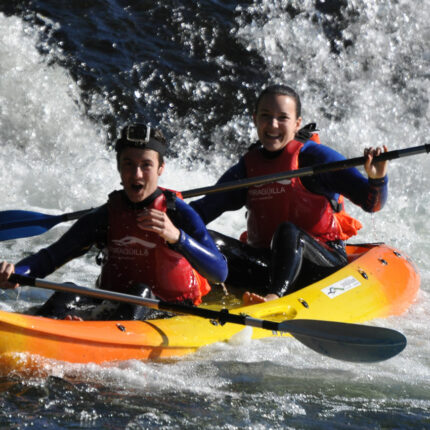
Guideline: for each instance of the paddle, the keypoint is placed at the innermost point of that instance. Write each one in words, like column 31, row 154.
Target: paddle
column 305, row 171
column 348, row 342
column 15, row 224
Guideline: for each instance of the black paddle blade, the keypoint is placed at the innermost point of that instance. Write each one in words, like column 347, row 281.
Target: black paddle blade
column 348, row 342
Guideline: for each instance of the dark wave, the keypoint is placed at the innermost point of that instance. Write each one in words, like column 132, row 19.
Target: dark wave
column 112, row 48
column 163, row 50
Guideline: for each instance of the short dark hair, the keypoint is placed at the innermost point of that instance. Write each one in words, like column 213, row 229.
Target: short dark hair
column 284, row 90
column 156, row 140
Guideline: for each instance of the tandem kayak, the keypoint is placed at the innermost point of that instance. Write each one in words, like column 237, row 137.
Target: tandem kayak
column 378, row 282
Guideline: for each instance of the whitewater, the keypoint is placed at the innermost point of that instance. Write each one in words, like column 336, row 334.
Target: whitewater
column 371, row 87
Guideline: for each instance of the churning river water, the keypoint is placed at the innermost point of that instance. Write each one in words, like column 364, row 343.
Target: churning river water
column 72, row 72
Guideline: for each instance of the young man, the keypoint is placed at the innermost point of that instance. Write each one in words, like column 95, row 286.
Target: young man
column 151, row 241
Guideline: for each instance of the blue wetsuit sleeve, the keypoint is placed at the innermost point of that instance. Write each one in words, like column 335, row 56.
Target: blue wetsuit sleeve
column 369, row 194
column 212, row 206
column 74, row 243
column 196, row 245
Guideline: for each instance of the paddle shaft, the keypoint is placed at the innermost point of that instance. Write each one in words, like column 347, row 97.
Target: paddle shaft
column 305, row 171
column 221, row 316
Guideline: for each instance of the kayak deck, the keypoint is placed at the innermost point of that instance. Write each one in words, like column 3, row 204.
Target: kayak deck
column 378, row 282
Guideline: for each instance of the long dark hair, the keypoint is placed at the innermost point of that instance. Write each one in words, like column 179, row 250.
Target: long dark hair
column 283, row 90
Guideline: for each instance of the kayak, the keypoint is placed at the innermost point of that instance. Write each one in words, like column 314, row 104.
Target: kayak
column 379, row 281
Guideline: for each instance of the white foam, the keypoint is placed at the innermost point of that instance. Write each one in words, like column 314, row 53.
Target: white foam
column 54, row 159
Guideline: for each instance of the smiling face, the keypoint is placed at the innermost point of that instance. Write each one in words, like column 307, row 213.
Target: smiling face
column 276, row 121
column 139, row 170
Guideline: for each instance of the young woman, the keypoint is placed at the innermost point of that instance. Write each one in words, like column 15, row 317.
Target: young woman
column 296, row 228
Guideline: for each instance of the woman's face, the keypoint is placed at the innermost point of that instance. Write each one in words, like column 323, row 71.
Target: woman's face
column 276, row 121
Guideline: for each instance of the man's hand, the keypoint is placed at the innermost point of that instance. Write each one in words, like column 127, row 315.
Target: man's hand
column 6, row 269
column 158, row 222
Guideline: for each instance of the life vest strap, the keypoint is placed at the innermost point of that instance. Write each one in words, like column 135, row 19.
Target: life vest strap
column 306, row 132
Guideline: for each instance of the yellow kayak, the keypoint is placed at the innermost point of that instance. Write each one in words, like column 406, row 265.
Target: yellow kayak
column 378, row 282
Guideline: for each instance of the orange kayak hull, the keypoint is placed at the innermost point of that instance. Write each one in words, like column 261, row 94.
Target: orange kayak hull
column 379, row 281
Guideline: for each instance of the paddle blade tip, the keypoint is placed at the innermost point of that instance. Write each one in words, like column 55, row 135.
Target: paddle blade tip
column 348, row 342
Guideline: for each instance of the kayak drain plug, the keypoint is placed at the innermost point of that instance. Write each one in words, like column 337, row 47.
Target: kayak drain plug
column 363, row 274
column 304, row 303
column 121, row 327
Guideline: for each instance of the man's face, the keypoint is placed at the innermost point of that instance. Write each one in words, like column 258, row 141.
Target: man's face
column 139, row 170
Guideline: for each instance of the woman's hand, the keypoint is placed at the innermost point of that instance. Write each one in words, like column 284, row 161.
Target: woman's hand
column 158, row 222
column 252, row 298
column 6, row 269
column 375, row 170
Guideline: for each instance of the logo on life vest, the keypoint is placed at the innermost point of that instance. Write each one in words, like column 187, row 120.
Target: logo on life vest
column 132, row 240
column 265, row 191
column 124, row 249
column 283, row 182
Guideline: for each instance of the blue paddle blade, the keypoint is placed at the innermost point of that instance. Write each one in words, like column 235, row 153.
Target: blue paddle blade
column 15, row 224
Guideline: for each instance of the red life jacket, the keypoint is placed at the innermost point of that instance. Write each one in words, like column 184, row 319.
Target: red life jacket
column 138, row 256
column 271, row 204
